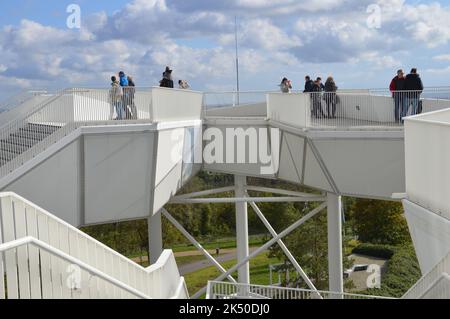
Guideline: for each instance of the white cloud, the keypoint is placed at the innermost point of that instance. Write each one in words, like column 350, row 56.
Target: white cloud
column 442, row 57
column 274, row 36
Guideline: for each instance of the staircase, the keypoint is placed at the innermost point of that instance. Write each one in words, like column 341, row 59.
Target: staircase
column 433, row 285
column 23, row 139
column 43, row 257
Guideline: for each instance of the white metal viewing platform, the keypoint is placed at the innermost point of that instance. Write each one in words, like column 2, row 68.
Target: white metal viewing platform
column 67, row 152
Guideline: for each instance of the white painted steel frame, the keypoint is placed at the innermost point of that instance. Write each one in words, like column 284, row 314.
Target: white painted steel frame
column 261, row 249
column 197, row 245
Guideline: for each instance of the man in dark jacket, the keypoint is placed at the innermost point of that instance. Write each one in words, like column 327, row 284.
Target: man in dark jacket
column 308, row 84
column 316, row 100
column 414, row 86
column 397, row 87
column 167, row 81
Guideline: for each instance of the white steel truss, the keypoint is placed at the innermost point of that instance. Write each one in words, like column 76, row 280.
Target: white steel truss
column 285, row 196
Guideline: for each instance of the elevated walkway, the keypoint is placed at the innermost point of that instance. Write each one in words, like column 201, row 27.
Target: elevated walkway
column 68, row 155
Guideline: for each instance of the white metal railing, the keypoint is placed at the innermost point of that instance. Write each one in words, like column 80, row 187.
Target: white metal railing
column 440, row 289
column 226, row 290
column 20, row 268
column 66, row 110
column 427, row 281
column 19, row 98
column 337, row 110
column 232, row 98
column 28, row 245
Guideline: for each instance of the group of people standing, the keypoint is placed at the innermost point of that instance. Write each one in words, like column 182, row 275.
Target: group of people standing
column 317, row 91
column 123, row 90
column 121, row 97
column 406, row 91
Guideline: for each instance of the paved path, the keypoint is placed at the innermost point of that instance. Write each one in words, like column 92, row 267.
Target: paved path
column 195, row 266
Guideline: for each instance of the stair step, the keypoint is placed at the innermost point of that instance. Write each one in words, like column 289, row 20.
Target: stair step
column 12, row 147
column 6, row 156
column 39, row 128
column 27, row 135
column 21, row 141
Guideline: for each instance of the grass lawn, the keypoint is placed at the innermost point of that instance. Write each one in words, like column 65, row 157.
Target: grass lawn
column 259, row 273
column 223, row 243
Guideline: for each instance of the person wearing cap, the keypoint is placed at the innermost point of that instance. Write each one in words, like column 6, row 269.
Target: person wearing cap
column 167, row 81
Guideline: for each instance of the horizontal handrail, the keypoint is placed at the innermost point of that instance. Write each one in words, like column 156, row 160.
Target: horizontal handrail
column 40, row 244
column 428, row 279
column 159, row 268
column 285, row 291
column 443, row 277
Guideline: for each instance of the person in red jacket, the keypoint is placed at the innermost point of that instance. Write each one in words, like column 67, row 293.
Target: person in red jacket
column 397, row 87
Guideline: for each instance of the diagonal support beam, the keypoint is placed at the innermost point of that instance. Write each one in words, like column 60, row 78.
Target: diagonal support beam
column 174, row 222
column 264, row 247
column 284, row 248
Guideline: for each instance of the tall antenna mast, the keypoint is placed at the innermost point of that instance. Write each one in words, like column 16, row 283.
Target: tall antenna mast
column 237, row 57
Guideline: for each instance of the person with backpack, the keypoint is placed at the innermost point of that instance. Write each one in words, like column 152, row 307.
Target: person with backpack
column 116, row 99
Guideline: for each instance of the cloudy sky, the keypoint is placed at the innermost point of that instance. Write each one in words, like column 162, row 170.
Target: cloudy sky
column 196, row 37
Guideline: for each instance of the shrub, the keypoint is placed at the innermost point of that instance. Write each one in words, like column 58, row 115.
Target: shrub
column 375, row 250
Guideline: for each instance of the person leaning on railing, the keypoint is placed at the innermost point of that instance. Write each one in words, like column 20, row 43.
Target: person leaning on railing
column 414, row 86
column 397, row 87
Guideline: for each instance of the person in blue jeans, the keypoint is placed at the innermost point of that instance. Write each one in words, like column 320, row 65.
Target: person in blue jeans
column 397, row 88
column 115, row 99
column 414, row 86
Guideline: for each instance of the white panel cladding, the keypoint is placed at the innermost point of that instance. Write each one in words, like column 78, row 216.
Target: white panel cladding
column 176, row 105
column 232, row 165
column 430, row 234
column 192, row 153
column 291, row 109
column 365, row 167
column 427, row 161
column 314, row 175
column 54, row 184
column 118, row 170
column 291, row 158
column 169, row 164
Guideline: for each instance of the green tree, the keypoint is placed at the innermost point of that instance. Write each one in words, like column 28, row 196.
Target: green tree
column 379, row 222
